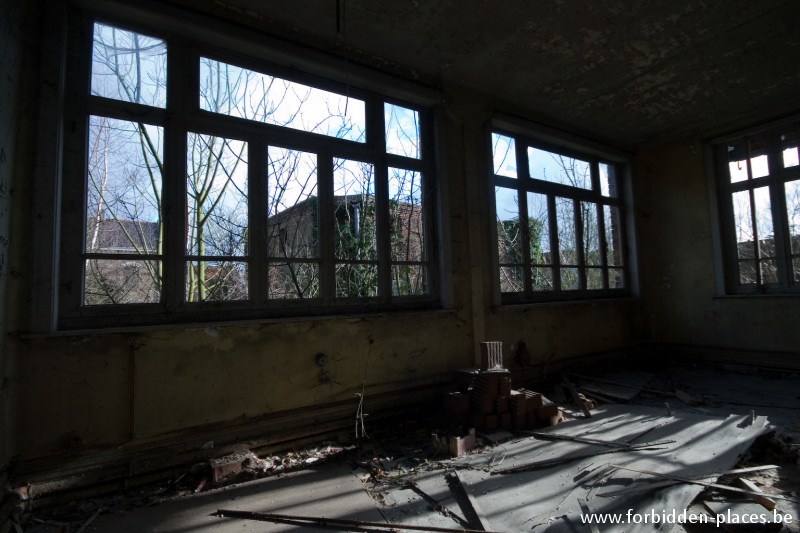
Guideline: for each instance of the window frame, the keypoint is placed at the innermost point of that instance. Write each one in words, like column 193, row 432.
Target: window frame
column 183, row 114
column 527, row 135
column 728, row 257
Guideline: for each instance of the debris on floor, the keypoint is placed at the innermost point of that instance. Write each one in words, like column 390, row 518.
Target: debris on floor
column 634, row 461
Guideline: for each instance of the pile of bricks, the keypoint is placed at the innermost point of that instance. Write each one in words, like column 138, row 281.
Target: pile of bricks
column 484, row 398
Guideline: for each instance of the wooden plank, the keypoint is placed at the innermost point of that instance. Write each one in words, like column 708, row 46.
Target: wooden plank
column 669, row 483
column 481, row 516
column 697, row 482
column 763, row 499
column 576, row 397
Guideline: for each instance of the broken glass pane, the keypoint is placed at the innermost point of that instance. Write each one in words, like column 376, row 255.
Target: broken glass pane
column 557, row 168
column 292, row 204
column 129, row 66
column 239, row 92
column 402, row 130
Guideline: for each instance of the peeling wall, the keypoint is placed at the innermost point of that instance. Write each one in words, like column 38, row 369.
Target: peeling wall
column 678, row 267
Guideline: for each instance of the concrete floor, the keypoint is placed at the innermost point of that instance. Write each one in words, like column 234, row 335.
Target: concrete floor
column 711, row 437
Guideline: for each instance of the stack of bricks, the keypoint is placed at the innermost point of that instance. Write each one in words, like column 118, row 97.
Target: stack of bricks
column 485, row 400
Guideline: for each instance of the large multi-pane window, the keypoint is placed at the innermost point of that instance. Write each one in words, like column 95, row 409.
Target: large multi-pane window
column 194, row 183
column 759, row 204
column 559, row 222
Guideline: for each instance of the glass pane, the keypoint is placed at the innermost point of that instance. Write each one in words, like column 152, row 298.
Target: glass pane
column 292, row 208
column 747, row 272
column 796, row 265
column 793, row 214
column 509, row 236
column 616, row 278
column 405, row 215
column 608, row 180
column 759, row 166
column 594, row 278
column 790, row 158
column 539, row 229
column 766, row 238
column 354, row 204
column 293, row 280
column 123, row 187
column 593, row 256
column 556, row 168
column 409, row 280
column 216, row 281
column 504, row 155
column 569, row 279
column 111, row 281
column 402, row 131
column 738, row 170
column 356, row 280
column 567, row 244
column 769, row 271
column 216, row 189
column 612, row 231
column 542, row 279
column 129, row 66
column 743, row 221
column 243, row 93
column 511, row 279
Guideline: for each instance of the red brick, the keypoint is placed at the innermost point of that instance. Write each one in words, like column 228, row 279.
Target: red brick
column 460, row 445
column 505, row 421
column 517, row 402
column 491, row 422
column 501, row 405
column 547, row 410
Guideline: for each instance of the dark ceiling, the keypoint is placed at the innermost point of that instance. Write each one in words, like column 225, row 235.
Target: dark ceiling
column 631, row 72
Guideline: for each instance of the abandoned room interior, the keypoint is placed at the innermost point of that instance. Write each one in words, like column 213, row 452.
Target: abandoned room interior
column 460, row 265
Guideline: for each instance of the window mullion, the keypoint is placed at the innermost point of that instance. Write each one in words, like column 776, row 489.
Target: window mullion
column 327, row 220
column 780, row 222
column 257, row 202
column 182, row 97
column 580, row 249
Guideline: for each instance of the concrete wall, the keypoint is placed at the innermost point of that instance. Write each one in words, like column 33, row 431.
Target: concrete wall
column 675, row 230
